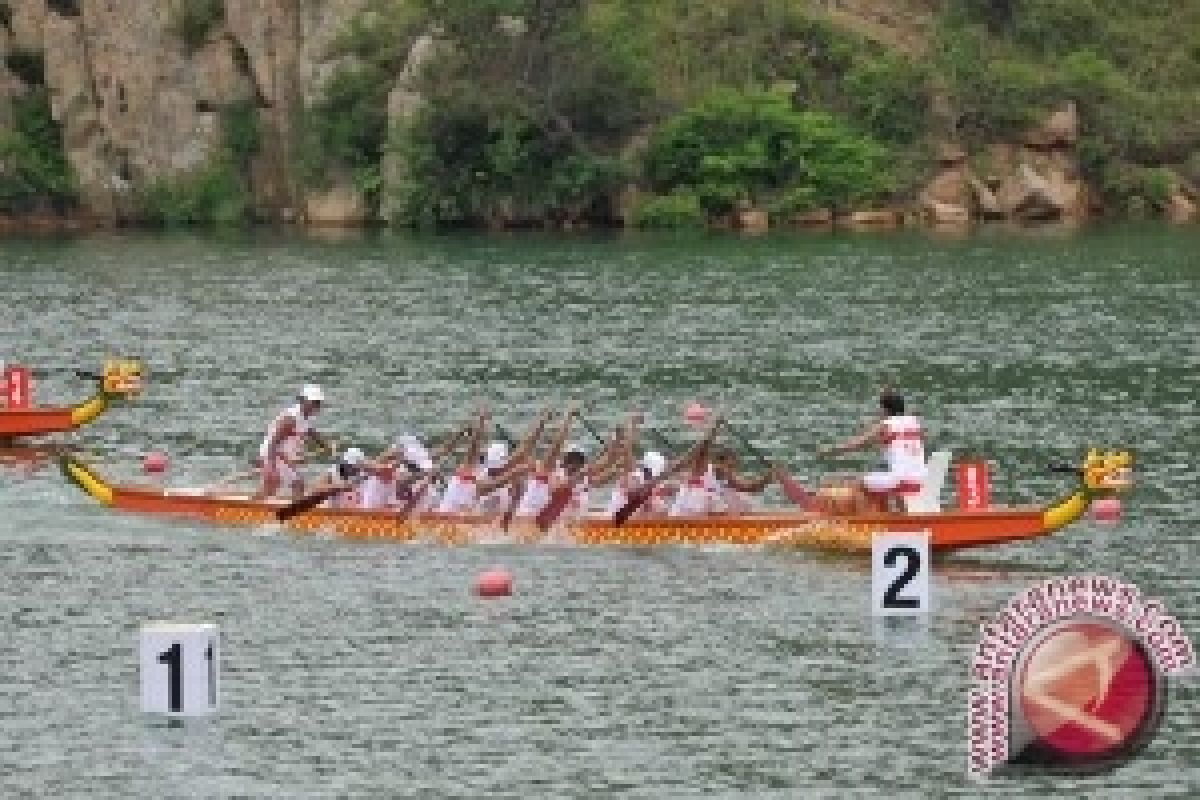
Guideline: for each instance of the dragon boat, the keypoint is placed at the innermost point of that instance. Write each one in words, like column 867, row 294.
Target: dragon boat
column 1100, row 475
column 119, row 380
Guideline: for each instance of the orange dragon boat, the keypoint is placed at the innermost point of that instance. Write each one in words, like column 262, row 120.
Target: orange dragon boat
column 120, row 379
column 1100, row 475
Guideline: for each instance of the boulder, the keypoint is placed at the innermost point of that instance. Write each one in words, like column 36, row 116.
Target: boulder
column 951, row 186
column 883, row 219
column 820, row 219
column 340, row 205
column 1059, row 130
column 752, row 220
column 986, row 201
column 951, row 154
column 1180, row 207
column 947, row 213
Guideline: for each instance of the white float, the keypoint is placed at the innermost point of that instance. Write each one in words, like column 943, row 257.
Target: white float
column 180, row 667
column 900, row 567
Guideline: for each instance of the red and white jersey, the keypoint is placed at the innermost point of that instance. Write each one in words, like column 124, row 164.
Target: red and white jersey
column 904, row 446
column 293, row 446
column 378, row 490
column 693, row 498
column 536, row 496
column 461, row 495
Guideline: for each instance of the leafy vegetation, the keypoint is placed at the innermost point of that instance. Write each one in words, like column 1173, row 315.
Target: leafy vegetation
column 1132, row 69
column 213, row 194
column 742, row 149
column 534, row 112
column 524, row 120
column 35, row 172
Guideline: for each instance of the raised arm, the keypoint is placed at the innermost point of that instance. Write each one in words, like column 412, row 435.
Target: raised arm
column 551, row 456
column 869, row 436
column 475, row 443
column 526, row 446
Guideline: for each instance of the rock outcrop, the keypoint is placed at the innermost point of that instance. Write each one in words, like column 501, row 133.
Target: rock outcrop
column 137, row 104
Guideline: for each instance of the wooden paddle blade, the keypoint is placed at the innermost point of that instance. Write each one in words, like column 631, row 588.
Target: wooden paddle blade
column 559, row 499
column 637, row 499
column 306, row 503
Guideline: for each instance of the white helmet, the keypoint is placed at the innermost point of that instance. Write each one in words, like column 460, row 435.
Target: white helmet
column 655, row 462
column 312, row 393
column 412, row 451
column 576, row 447
column 497, row 455
column 353, row 456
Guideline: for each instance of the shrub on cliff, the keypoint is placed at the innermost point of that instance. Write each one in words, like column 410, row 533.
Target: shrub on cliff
column 678, row 210
column 523, row 117
column 213, row 194
column 467, row 161
column 33, row 167
column 743, row 148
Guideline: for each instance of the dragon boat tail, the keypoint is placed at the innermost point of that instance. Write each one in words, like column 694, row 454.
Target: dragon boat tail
column 1100, row 475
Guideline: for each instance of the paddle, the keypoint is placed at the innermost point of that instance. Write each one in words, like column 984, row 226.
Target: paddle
column 560, row 498
column 311, row 501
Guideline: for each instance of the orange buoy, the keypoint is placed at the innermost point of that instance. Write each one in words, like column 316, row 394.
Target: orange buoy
column 1106, row 509
column 495, row 582
column 154, row 463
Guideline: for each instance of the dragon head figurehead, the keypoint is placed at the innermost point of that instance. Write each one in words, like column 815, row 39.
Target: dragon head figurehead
column 1107, row 472
column 122, row 377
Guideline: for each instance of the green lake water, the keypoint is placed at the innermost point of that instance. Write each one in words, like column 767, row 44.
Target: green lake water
column 370, row 670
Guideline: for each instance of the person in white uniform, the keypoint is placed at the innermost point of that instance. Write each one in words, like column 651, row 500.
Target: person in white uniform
column 901, row 436
column 282, row 449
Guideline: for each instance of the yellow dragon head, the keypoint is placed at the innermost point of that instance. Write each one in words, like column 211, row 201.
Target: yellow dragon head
column 1108, row 472
column 122, row 377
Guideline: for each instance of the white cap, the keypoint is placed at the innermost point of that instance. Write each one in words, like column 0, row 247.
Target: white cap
column 497, row 455
column 655, row 462
column 312, row 392
column 414, row 452
column 353, row 456
column 576, row 447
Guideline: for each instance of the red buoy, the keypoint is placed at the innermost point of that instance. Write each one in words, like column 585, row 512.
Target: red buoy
column 695, row 414
column 495, row 582
column 154, row 463
column 1106, row 509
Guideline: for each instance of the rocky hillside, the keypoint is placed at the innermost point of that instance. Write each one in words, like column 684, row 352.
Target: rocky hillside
column 528, row 112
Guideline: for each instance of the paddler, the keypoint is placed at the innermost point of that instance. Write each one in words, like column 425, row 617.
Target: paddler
column 383, row 486
column 902, row 438
column 507, row 470
column 694, row 497
column 349, row 474
column 650, row 467
column 281, row 451
column 536, row 494
column 470, row 482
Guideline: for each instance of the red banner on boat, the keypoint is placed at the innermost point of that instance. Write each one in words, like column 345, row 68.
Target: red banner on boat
column 974, row 485
column 17, row 384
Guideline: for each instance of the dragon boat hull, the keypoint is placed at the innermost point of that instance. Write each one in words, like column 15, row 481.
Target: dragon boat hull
column 949, row 530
